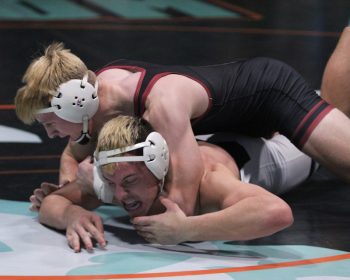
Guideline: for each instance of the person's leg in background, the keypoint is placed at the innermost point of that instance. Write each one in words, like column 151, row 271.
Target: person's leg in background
column 335, row 87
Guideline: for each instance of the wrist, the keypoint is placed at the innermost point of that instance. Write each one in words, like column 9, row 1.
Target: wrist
column 187, row 230
column 69, row 213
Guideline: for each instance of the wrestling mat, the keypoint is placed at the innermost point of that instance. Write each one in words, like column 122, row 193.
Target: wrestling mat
column 29, row 250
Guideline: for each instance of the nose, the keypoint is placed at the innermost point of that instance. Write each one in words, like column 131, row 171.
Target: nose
column 120, row 193
column 51, row 133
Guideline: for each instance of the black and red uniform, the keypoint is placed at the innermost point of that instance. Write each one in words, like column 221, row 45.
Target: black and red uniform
column 255, row 96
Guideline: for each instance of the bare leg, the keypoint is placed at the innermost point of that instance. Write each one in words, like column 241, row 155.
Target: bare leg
column 329, row 143
column 335, row 87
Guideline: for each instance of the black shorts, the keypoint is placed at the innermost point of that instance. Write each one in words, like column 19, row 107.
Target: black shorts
column 260, row 96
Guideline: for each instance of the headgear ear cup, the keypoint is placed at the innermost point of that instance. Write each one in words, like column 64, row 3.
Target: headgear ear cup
column 158, row 154
column 75, row 99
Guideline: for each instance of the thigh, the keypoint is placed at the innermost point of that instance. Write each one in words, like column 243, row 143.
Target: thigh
column 276, row 164
column 329, row 143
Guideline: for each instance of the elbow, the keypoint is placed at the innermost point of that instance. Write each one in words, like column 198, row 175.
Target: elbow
column 42, row 215
column 278, row 216
column 45, row 208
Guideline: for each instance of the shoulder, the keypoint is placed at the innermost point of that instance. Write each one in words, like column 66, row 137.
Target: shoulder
column 213, row 156
column 217, row 185
column 112, row 73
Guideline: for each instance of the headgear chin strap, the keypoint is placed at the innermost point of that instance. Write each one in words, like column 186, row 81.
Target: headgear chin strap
column 84, row 137
column 75, row 101
column 155, row 156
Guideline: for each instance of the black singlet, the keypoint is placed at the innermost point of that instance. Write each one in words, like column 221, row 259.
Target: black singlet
column 255, row 96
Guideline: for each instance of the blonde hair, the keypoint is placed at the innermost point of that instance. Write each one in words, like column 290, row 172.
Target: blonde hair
column 121, row 132
column 44, row 75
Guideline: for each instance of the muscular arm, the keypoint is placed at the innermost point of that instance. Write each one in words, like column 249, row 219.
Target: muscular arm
column 252, row 217
column 55, row 207
column 67, row 209
column 173, row 122
column 238, row 211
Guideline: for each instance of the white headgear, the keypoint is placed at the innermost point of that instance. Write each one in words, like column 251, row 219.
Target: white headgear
column 74, row 101
column 155, row 155
column 102, row 190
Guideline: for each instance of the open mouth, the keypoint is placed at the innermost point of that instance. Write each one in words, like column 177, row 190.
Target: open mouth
column 132, row 205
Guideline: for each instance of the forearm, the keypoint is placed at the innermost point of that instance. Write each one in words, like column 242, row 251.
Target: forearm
column 68, row 167
column 248, row 219
column 72, row 155
column 186, row 166
column 53, row 211
column 186, row 173
column 54, row 207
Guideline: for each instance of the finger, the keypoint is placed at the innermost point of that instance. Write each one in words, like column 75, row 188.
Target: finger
column 142, row 221
column 168, row 203
column 35, row 204
column 39, row 194
column 48, row 188
column 63, row 183
column 97, row 221
column 33, row 199
column 85, row 238
column 143, row 228
column 151, row 240
column 74, row 241
column 97, row 235
column 146, row 235
column 34, row 208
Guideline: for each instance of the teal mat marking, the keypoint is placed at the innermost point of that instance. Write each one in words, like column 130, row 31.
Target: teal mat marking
column 16, row 207
column 128, row 9
column 128, row 263
column 43, row 10
column 4, row 248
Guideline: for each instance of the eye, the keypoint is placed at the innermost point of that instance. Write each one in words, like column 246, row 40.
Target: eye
column 130, row 180
column 47, row 124
column 110, row 184
column 108, row 181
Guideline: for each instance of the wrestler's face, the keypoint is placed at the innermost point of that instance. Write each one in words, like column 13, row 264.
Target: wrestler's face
column 135, row 187
column 57, row 127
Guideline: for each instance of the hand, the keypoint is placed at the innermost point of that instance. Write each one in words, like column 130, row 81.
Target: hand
column 85, row 226
column 40, row 193
column 167, row 228
column 85, row 173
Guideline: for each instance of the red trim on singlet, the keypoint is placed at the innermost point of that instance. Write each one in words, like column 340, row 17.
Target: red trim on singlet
column 131, row 69
column 307, row 117
column 314, row 123
column 160, row 75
